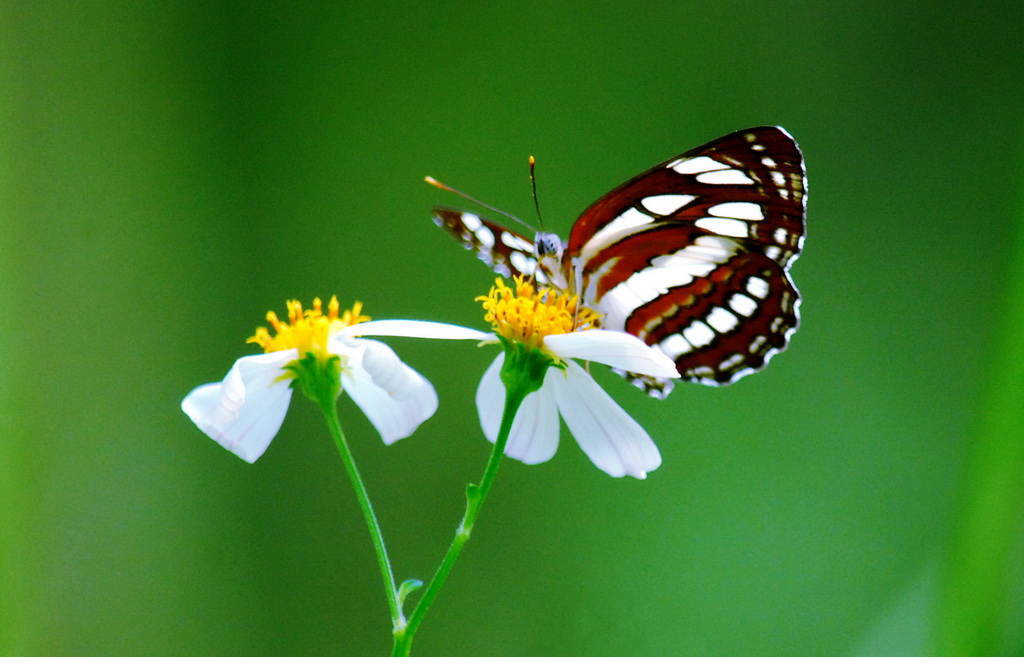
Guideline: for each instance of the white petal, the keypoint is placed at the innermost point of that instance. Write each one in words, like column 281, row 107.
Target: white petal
column 411, row 328
column 613, row 440
column 395, row 397
column 534, row 435
column 490, row 398
column 613, row 348
column 244, row 412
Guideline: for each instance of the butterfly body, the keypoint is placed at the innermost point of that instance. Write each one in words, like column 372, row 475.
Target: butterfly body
column 692, row 256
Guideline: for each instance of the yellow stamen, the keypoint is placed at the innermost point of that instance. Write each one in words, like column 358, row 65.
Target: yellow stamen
column 309, row 330
column 528, row 315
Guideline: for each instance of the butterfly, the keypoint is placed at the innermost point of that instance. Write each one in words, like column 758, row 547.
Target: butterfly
column 691, row 256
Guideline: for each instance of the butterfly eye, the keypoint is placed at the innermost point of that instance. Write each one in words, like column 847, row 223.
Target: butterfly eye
column 547, row 244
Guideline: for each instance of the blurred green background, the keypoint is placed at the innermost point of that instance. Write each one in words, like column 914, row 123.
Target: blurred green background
column 169, row 171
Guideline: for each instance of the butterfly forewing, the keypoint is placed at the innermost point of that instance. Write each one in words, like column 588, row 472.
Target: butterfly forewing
column 505, row 251
column 749, row 186
column 691, row 256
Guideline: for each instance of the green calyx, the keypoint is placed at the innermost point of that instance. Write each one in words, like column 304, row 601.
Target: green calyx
column 318, row 380
column 524, row 367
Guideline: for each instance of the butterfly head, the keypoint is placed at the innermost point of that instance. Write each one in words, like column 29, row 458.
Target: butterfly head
column 547, row 245
column 547, row 249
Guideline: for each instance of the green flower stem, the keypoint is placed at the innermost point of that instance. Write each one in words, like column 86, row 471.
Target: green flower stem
column 520, row 380
column 320, row 380
column 330, row 410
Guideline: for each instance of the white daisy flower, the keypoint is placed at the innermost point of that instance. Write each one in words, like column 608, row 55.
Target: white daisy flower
column 555, row 324
column 244, row 411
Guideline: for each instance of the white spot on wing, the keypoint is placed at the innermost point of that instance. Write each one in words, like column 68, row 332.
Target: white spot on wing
column 703, row 373
column 743, row 304
column 666, row 204
column 626, row 223
column 726, row 177
column 675, row 346
column 698, row 259
column 667, row 271
column 732, row 362
column 471, row 221
column 484, row 234
column 618, row 304
column 697, row 165
column 768, row 162
column 738, row 210
column 522, row 263
column 730, row 227
column 643, row 287
column 516, row 242
column 712, row 249
column 722, row 320
column 786, row 302
column 675, row 276
column 698, row 334
column 781, row 236
column 779, row 179
column 757, row 287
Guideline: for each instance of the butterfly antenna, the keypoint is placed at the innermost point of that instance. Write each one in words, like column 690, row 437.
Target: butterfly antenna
column 440, row 185
column 540, row 221
column 533, row 183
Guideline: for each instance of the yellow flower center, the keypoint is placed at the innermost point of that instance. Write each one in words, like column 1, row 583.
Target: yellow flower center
column 527, row 314
column 307, row 330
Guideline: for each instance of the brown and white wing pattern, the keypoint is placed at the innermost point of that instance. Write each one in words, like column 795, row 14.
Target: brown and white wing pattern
column 693, row 256
column 505, row 251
